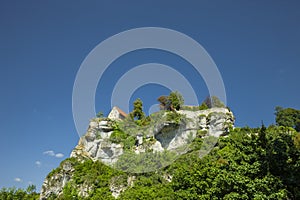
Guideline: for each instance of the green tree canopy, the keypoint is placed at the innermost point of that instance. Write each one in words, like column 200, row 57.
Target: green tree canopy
column 138, row 112
column 100, row 114
column 250, row 163
column 203, row 106
column 13, row 193
column 176, row 100
column 288, row 117
column 172, row 102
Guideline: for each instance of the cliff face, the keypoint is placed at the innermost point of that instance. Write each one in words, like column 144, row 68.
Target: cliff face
column 168, row 135
column 163, row 134
column 55, row 182
column 95, row 144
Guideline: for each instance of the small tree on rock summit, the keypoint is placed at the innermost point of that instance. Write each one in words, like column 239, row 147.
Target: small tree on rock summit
column 137, row 112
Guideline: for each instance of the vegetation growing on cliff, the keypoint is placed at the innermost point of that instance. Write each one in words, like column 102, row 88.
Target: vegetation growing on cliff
column 172, row 102
column 251, row 163
column 13, row 193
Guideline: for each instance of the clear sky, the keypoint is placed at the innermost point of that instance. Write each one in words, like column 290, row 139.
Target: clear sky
column 255, row 44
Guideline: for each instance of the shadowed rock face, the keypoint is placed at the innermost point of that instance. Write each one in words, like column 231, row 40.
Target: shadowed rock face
column 168, row 132
column 167, row 135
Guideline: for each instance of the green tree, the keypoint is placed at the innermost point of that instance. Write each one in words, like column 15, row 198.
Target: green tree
column 172, row 102
column 262, row 136
column 31, row 188
column 249, row 163
column 99, row 114
column 138, row 112
column 176, row 100
column 19, row 194
column 203, row 106
column 288, row 117
column 232, row 171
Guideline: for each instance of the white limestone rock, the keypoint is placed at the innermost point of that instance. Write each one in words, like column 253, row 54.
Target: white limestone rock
column 96, row 144
column 157, row 147
column 55, row 183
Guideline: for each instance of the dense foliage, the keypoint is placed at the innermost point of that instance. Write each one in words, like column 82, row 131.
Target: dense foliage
column 172, row 102
column 175, row 117
column 260, row 163
column 247, row 163
column 119, row 136
column 176, row 100
column 133, row 163
column 288, row 117
column 137, row 115
column 138, row 112
column 203, row 106
column 19, row 194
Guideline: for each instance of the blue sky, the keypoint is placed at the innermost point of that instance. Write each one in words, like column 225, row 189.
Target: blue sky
column 255, row 44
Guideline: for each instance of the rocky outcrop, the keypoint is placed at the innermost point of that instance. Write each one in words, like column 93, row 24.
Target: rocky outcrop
column 169, row 135
column 162, row 134
column 56, row 180
column 119, row 184
column 214, row 121
column 95, row 144
column 59, row 178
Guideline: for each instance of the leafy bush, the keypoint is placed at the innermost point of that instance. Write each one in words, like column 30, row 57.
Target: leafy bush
column 172, row 102
column 19, row 194
column 118, row 136
column 121, row 137
column 149, row 186
column 131, row 162
column 175, row 117
column 203, row 106
column 201, row 133
column 250, row 163
column 176, row 100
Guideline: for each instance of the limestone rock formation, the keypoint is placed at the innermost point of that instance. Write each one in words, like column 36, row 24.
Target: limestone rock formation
column 162, row 135
column 54, row 183
column 95, row 144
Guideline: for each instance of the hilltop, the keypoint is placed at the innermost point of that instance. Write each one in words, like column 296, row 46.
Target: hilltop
column 180, row 152
column 114, row 139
